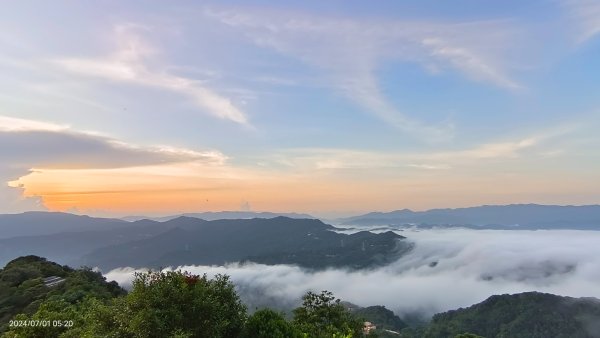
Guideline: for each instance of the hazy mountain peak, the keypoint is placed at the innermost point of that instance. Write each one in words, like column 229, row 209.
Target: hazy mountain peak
column 515, row 216
column 215, row 215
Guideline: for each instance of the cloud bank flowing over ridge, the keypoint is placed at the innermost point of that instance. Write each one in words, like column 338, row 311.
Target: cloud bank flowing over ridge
column 448, row 269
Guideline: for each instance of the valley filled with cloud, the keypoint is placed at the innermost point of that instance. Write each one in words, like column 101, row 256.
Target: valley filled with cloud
column 447, row 269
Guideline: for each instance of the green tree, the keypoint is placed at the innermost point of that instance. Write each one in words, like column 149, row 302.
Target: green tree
column 53, row 317
column 322, row 315
column 178, row 304
column 267, row 323
column 161, row 304
column 22, row 290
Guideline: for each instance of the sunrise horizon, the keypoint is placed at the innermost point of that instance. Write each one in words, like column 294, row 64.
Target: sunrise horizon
column 316, row 108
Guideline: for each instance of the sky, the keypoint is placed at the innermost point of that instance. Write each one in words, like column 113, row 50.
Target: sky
column 324, row 107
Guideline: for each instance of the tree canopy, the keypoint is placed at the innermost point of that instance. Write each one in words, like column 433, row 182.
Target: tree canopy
column 177, row 304
column 322, row 315
column 22, row 289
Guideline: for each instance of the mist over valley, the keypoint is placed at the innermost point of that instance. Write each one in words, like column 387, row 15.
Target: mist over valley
column 446, row 269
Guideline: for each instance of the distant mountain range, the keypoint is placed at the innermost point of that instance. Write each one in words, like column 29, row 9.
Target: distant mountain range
column 211, row 216
column 516, row 216
column 299, row 239
column 108, row 243
column 36, row 223
column 68, row 244
column 305, row 242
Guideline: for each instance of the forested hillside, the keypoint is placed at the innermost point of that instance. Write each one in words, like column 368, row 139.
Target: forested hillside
column 308, row 243
column 160, row 304
column 525, row 315
column 23, row 289
column 109, row 244
column 39, row 298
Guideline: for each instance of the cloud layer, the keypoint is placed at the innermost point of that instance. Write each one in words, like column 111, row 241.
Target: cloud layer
column 585, row 15
column 351, row 52
column 129, row 64
column 26, row 145
column 447, row 269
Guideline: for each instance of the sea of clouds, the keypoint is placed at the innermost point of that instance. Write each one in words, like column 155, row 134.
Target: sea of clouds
column 447, row 269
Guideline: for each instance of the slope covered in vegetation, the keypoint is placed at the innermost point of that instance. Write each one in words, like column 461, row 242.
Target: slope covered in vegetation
column 178, row 304
column 22, row 287
column 80, row 303
column 526, row 315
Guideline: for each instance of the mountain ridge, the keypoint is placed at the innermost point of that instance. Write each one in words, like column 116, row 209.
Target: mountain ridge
column 279, row 240
column 309, row 243
column 512, row 216
column 215, row 215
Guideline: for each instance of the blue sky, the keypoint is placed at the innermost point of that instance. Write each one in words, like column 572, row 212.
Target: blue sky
column 415, row 104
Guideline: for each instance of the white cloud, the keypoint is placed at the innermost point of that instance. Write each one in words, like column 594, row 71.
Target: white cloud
column 12, row 199
column 130, row 64
column 489, row 150
column 430, row 166
column 27, row 144
column 585, row 15
column 469, row 63
column 351, row 51
column 507, row 149
column 8, row 123
column 475, row 263
column 319, row 158
column 75, row 150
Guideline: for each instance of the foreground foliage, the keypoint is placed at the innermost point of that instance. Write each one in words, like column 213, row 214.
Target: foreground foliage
column 22, row 289
column 322, row 315
column 266, row 323
column 384, row 318
column 180, row 305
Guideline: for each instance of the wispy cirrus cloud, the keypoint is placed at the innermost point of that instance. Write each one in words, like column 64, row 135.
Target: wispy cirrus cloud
column 534, row 143
column 585, row 15
column 14, row 124
column 430, row 166
column 508, row 148
column 468, row 62
column 129, row 63
column 351, row 51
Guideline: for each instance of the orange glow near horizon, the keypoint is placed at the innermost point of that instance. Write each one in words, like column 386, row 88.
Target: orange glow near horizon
column 186, row 188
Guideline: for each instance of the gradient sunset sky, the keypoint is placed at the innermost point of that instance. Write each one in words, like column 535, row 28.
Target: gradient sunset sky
column 326, row 107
